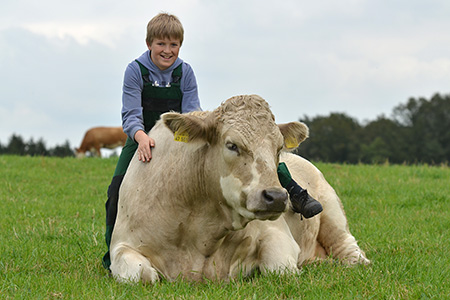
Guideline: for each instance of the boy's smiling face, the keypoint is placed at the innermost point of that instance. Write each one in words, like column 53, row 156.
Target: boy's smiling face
column 164, row 52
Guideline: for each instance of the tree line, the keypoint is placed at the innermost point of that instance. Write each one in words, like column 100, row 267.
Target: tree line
column 417, row 132
column 18, row 146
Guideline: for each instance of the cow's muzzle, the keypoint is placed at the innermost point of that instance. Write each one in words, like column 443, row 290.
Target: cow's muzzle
column 275, row 199
column 270, row 203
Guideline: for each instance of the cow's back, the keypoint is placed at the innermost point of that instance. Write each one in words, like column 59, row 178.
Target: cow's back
column 107, row 136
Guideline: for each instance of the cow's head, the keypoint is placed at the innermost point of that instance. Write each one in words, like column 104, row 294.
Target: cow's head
column 244, row 147
column 79, row 153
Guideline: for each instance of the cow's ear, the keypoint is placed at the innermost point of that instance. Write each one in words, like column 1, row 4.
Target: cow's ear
column 294, row 133
column 186, row 127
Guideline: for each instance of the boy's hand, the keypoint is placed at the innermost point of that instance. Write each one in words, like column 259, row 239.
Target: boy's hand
column 145, row 144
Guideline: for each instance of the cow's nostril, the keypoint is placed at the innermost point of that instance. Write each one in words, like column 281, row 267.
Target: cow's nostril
column 268, row 196
column 274, row 196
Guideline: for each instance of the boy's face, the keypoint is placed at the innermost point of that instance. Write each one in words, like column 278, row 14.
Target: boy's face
column 164, row 52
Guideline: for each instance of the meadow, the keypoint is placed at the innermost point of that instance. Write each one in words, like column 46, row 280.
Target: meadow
column 52, row 226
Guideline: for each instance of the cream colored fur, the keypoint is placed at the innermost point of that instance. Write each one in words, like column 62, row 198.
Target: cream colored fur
column 201, row 208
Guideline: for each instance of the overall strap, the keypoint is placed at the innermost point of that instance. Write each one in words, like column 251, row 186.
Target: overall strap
column 176, row 73
column 144, row 71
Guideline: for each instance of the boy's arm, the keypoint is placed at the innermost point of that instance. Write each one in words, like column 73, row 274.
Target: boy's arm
column 191, row 102
column 131, row 101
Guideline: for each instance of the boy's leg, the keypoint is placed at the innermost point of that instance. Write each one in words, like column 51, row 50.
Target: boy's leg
column 301, row 201
column 111, row 214
column 113, row 194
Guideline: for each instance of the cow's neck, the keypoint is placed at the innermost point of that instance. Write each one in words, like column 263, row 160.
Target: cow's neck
column 203, row 218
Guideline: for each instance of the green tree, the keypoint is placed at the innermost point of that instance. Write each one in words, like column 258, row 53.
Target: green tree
column 427, row 123
column 383, row 140
column 16, row 145
column 62, row 151
column 36, row 148
column 332, row 139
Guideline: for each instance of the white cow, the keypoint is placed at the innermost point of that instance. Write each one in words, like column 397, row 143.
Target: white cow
column 208, row 205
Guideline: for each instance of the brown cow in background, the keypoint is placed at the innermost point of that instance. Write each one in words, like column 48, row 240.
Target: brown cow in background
column 101, row 137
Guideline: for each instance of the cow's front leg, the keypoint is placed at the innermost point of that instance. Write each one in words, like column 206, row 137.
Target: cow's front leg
column 128, row 264
column 278, row 250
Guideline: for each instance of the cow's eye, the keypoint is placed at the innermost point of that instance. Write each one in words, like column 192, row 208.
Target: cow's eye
column 233, row 147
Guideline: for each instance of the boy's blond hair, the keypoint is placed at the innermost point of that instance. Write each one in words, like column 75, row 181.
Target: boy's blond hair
column 163, row 26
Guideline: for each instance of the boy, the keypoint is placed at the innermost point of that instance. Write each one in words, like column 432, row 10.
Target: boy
column 157, row 82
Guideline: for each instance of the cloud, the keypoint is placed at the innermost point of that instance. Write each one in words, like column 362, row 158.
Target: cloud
column 53, row 84
column 61, row 68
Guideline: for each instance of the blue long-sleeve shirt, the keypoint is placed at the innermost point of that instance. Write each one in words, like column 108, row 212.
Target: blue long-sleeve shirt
column 133, row 85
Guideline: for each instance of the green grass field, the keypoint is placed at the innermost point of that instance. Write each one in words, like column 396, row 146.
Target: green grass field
column 52, row 225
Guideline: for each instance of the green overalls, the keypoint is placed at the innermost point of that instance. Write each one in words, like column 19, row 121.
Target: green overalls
column 155, row 101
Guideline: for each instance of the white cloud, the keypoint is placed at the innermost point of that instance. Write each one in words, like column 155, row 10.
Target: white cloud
column 82, row 33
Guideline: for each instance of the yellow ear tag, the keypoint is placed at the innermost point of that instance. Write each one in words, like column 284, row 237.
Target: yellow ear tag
column 291, row 143
column 181, row 137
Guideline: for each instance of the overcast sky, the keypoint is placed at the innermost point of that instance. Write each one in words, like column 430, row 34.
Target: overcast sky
column 62, row 62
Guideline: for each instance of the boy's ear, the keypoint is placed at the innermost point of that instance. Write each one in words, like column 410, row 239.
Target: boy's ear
column 294, row 133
